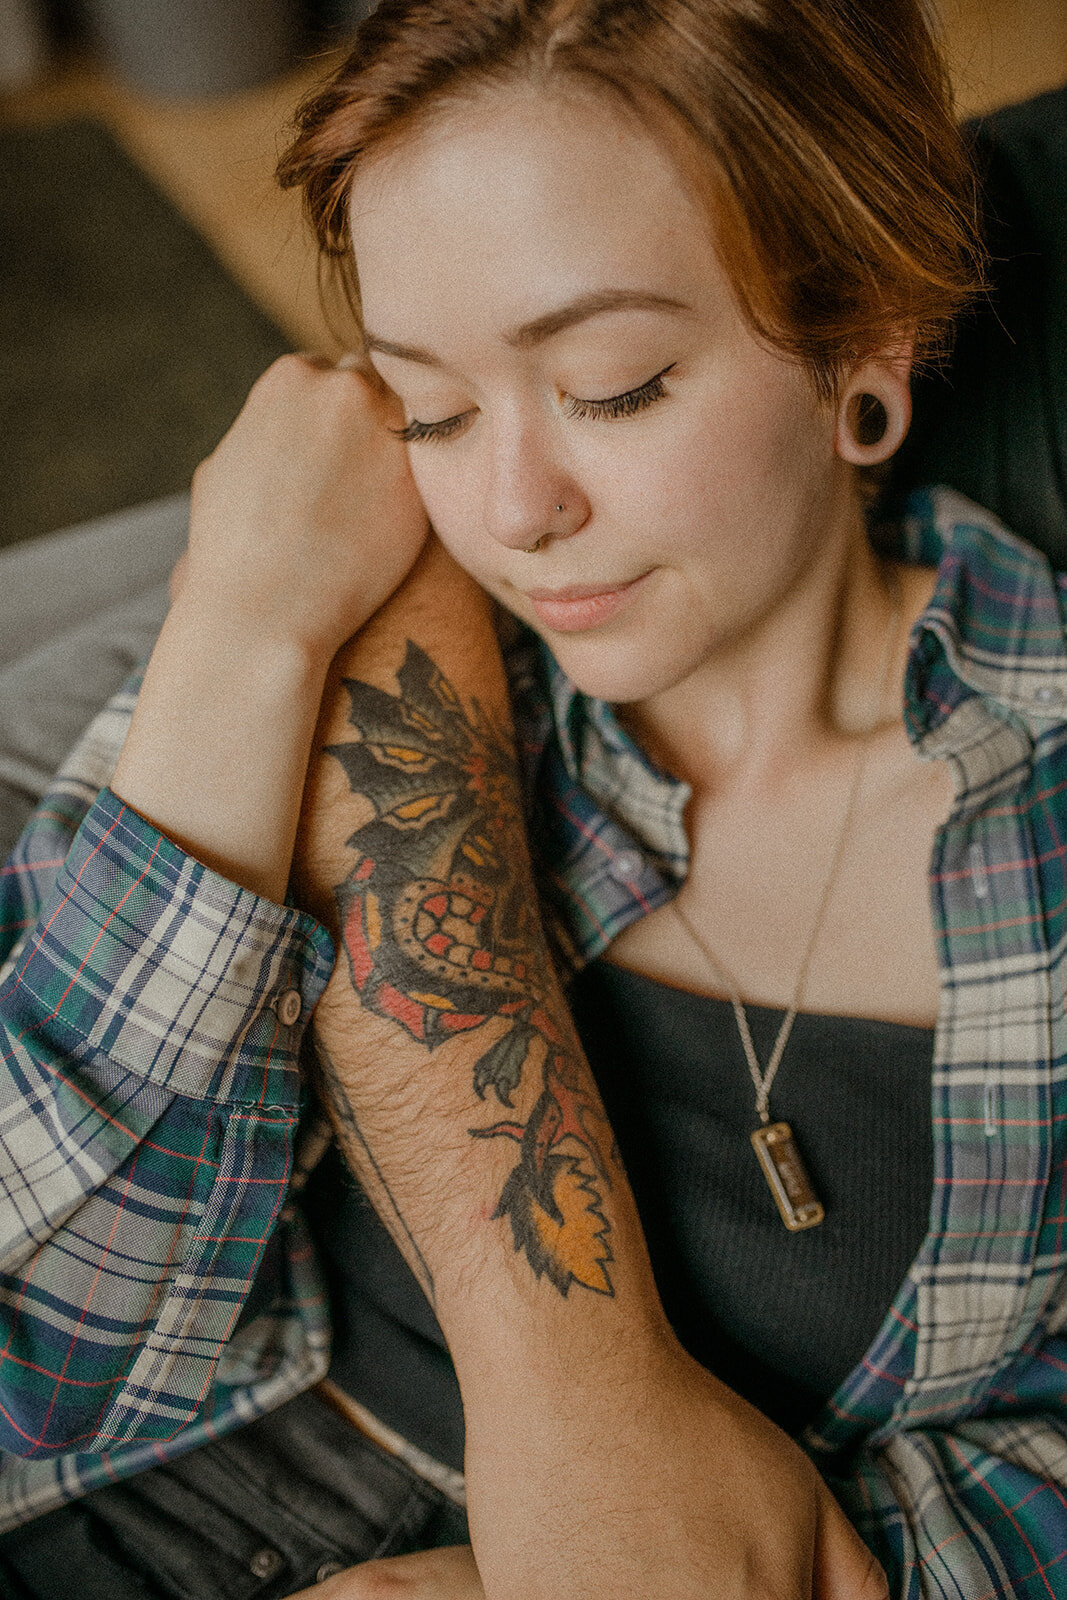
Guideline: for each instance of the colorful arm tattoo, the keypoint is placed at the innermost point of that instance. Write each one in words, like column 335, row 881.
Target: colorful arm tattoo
column 441, row 931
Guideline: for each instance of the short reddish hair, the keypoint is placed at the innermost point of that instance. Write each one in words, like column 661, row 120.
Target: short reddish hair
column 841, row 190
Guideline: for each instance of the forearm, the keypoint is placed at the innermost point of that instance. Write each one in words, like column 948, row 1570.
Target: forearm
column 218, row 745
column 449, row 1059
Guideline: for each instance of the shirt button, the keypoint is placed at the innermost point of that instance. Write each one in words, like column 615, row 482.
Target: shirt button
column 1048, row 694
column 626, row 866
column 290, row 1006
column 266, row 1563
column 329, row 1569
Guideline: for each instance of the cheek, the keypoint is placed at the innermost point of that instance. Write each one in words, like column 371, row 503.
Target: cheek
column 761, row 438
column 755, row 446
column 449, row 490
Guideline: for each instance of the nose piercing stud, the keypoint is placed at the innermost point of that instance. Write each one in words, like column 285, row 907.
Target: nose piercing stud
column 530, row 549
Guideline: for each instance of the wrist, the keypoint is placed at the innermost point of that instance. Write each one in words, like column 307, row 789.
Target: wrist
column 537, row 1366
column 250, row 633
column 217, row 748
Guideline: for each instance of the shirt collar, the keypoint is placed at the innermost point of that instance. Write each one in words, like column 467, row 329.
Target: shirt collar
column 604, row 760
column 995, row 620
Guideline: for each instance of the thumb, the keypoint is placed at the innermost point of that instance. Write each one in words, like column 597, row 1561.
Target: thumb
column 843, row 1568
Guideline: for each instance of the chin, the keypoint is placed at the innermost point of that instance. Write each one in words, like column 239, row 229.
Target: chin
column 621, row 673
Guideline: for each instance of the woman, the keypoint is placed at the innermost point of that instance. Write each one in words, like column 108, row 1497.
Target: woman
column 640, row 288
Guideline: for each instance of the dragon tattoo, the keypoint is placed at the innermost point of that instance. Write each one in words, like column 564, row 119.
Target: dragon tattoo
column 442, row 935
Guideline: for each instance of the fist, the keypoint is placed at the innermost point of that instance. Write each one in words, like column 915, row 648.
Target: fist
column 305, row 518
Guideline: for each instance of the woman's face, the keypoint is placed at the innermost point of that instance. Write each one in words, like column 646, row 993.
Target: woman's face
column 525, row 262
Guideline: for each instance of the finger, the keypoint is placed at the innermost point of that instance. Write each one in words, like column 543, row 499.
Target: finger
column 446, row 1574
column 844, row 1568
column 359, row 361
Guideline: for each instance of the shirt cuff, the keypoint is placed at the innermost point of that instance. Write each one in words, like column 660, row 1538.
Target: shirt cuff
column 170, row 970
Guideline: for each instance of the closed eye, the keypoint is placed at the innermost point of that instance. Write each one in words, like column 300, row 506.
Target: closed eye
column 621, row 405
column 617, row 405
column 423, row 432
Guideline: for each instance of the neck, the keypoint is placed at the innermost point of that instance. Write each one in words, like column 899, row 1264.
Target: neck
column 803, row 676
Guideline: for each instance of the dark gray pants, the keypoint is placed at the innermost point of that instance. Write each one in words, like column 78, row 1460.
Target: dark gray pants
column 259, row 1514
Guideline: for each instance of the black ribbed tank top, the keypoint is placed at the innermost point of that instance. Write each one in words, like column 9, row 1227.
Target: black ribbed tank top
column 782, row 1318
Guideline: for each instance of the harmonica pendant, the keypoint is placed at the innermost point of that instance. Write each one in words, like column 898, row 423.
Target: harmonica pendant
column 787, row 1177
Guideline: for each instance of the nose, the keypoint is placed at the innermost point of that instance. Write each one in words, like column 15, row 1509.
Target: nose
column 530, row 496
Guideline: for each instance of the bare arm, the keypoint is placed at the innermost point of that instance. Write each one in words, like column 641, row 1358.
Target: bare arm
column 600, row 1459
column 413, row 850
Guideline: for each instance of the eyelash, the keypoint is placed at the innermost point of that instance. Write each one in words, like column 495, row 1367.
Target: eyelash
column 618, row 405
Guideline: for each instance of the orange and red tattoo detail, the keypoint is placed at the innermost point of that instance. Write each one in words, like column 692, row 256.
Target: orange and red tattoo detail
column 442, row 937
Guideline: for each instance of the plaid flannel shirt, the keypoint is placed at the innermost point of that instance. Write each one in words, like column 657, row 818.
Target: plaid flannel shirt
column 154, row 1134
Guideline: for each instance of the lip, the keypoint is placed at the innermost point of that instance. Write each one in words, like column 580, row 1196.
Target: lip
column 582, row 605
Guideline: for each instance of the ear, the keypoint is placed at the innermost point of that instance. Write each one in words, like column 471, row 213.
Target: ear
column 874, row 410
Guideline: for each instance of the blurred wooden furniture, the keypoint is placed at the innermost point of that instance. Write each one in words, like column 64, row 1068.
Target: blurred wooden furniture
column 215, row 158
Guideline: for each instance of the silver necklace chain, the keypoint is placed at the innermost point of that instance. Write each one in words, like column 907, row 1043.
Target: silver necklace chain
column 762, row 1080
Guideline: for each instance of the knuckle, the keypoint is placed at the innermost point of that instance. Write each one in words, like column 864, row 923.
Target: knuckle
column 274, row 375
column 202, row 474
column 286, row 372
column 294, row 363
column 875, row 1584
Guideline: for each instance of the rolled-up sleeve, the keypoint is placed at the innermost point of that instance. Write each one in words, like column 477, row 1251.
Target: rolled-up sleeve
column 150, row 1023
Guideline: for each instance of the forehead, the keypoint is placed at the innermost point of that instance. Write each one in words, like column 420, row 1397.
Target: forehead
column 494, row 208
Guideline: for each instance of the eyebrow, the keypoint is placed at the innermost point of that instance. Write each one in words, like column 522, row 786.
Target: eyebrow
column 545, row 327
